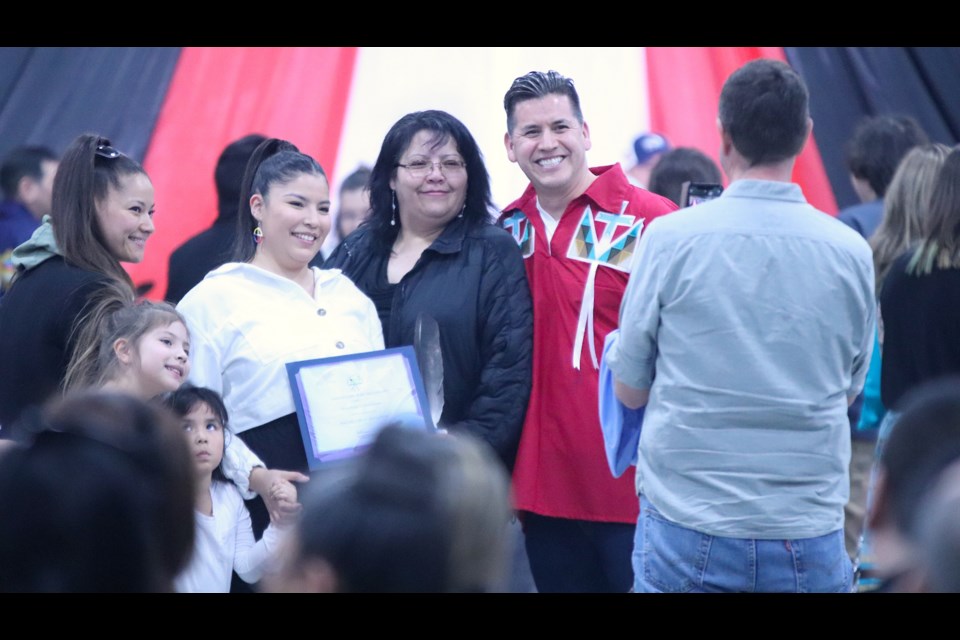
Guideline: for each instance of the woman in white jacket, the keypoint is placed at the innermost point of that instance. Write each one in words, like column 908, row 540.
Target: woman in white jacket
column 268, row 307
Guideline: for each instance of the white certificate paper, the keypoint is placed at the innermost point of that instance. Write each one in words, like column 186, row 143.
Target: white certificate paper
column 342, row 402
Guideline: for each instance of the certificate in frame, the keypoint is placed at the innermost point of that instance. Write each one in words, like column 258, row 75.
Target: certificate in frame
column 343, row 401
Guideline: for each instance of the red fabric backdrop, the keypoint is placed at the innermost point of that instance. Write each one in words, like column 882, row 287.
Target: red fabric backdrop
column 219, row 94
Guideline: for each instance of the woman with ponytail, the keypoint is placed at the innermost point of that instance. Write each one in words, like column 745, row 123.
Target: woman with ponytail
column 268, row 307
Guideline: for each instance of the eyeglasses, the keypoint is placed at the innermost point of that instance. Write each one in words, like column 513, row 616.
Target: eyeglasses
column 422, row 168
column 106, row 151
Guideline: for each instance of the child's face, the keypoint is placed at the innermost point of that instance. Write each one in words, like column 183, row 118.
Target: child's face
column 164, row 358
column 204, row 434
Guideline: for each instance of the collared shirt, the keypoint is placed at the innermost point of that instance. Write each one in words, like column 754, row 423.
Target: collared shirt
column 750, row 318
column 577, row 278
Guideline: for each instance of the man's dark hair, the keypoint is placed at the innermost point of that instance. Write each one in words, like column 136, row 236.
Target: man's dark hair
column 877, row 146
column 681, row 165
column 228, row 173
column 21, row 162
column 538, row 84
column 764, row 109
column 359, row 179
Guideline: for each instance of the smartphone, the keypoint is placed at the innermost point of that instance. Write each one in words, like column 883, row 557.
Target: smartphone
column 692, row 193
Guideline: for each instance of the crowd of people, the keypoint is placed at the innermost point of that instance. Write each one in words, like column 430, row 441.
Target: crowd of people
column 787, row 380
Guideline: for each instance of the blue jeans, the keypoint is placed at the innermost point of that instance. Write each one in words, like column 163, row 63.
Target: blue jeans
column 670, row 558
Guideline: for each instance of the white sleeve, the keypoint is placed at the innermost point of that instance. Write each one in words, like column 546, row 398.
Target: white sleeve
column 251, row 559
column 238, row 462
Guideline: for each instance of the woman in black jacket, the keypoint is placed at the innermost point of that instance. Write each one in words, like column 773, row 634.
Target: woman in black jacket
column 429, row 252
column 101, row 215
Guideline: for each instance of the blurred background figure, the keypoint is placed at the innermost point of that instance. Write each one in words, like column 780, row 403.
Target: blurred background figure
column 924, row 441
column 99, row 500
column 906, row 210
column 683, row 164
column 353, row 208
column 646, row 151
column 939, row 540
column 419, row 512
column 26, row 177
column 873, row 153
column 209, row 249
column 919, row 305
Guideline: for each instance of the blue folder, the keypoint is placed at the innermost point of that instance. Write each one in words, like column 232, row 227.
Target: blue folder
column 620, row 425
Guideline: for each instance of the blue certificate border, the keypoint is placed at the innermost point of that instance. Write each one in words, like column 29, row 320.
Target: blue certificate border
column 316, row 460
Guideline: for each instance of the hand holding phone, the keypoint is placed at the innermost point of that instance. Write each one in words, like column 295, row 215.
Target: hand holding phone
column 692, row 193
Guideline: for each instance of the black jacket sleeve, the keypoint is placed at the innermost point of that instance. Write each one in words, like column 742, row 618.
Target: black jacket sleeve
column 499, row 405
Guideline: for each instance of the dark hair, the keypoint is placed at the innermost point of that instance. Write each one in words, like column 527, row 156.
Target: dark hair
column 21, row 162
column 100, row 499
column 940, row 245
column 274, row 161
column 359, row 179
column 764, row 109
column 356, row 180
column 443, row 126
column 83, row 179
column 537, row 84
column 185, row 399
column 877, row 146
column 228, row 173
column 924, row 440
column 419, row 513
column 680, row 165
column 112, row 315
column 939, row 535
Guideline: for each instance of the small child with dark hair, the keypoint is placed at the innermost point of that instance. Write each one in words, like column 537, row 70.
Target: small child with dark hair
column 224, row 534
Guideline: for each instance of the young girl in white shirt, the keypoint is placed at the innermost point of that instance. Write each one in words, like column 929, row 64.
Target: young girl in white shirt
column 224, row 540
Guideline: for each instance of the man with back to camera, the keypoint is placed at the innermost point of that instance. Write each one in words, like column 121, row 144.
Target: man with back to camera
column 577, row 227
column 745, row 331
column 26, row 178
column 877, row 146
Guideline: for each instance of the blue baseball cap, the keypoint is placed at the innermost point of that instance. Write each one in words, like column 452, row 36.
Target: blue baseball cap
column 648, row 145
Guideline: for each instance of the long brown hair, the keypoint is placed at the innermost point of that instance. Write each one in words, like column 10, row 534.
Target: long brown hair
column 940, row 247
column 906, row 207
column 88, row 169
column 112, row 315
